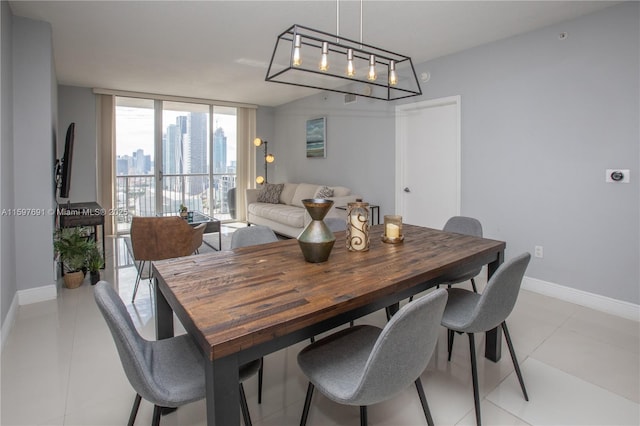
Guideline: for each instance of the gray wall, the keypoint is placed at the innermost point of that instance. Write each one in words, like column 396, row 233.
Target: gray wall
column 34, row 133
column 265, row 128
column 8, row 285
column 78, row 104
column 541, row 121
column 29, row 127
column 360, row 146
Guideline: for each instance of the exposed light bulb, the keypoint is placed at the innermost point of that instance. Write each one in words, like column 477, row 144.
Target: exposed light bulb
column 371, row 75
column 297, row 59
column 269, row 158
column 351, row 71
column 324, row 59
column 257, row 141
column 260, row 180
column 393, row 76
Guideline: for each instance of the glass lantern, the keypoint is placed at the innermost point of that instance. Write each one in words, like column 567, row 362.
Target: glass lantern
column 392, row 229
column 358, row 226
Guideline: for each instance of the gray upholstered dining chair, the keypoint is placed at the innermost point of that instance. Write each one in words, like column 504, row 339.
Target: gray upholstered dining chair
column 467, row 226
column 168, row 372
column 470, row 313
column 364, row 365
column 252, row 235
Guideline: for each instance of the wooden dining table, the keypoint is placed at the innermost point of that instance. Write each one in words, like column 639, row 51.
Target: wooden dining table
column 242, row 304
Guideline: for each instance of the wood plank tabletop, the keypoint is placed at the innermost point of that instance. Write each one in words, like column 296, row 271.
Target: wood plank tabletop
column 232, row 300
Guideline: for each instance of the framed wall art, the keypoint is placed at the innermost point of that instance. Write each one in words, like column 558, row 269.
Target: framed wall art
column 316, row 139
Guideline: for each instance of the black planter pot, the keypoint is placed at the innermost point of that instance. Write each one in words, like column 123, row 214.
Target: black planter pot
column 95, row 277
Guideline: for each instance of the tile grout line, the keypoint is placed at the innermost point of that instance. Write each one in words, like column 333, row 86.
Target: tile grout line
column 71, row 356
column 555, row 330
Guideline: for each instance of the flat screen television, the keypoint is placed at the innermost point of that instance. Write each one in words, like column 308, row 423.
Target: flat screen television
column 64, row 168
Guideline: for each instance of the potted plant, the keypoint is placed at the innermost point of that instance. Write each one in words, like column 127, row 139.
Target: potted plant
column 184, row 211
column 95, row 261
column 71, row 247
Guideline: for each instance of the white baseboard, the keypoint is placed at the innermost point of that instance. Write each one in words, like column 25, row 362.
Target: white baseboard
column 590, row 300
column 37, row 294
column 9, row 320
column 25, row 297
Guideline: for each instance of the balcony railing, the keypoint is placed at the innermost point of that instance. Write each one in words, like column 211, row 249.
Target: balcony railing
column 137, row 196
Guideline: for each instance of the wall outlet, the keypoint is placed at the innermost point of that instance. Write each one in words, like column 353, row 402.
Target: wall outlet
column 538, row 252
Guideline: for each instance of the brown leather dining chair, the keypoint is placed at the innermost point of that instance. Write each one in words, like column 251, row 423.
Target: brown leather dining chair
column 158, row 238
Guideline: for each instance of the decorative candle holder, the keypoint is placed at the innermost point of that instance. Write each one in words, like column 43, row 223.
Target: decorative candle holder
column 358, row 226
column 392, row 229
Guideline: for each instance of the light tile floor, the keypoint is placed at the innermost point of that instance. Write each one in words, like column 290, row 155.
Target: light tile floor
column 60, row 367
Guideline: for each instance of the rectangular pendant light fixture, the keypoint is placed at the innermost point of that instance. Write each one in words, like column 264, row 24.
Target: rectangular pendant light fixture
column 310, row 58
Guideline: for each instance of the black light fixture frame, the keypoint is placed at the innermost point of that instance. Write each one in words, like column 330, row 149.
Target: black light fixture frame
column 310, row 38
column 266, row 179
column 266, row 154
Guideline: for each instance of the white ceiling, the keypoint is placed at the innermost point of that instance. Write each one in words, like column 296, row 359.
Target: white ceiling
column 221, row 49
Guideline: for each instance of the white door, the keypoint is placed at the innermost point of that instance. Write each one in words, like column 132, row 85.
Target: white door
column 428, row 161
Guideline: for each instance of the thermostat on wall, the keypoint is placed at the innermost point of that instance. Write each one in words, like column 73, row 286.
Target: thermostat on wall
column 617, row 176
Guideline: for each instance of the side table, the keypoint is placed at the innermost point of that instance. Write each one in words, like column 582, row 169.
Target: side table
column 83, row 214
column 375, row 213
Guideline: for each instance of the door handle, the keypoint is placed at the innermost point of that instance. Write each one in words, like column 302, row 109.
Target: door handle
column 160, row 175
column 407, row 189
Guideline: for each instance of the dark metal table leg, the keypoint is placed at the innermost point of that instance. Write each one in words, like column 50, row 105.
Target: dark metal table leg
column 223, row 392
column 493, row 338
column 164, row 315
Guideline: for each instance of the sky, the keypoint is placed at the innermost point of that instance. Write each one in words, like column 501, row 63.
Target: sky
column 134, row 130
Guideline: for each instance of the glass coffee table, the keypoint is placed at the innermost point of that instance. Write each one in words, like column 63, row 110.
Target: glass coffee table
column 212, row 225
column 196, row 218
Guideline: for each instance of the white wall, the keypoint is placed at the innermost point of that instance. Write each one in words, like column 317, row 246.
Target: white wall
column 542, row 119
column 34, row 130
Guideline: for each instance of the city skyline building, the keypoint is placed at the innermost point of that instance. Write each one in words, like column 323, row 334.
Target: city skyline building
column 196, row 151
column 138, row 163
column 219, row 151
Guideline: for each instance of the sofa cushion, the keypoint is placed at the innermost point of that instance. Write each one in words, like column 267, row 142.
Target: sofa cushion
column 323, row 192
column 341, row 191
column 303, row 191
column 287, row 215
column 270, row 193
column 286, row 196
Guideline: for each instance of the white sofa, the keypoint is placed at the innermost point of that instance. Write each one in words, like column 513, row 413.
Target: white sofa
column 289, row 217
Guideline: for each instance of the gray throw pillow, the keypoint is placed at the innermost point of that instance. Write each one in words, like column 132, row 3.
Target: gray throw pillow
column 270, row 193
column 324, row 192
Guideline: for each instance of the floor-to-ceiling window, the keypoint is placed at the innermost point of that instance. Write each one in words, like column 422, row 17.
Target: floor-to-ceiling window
column 185, row 157
column 172, row 153
column 225, row 161
column 135, row 188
